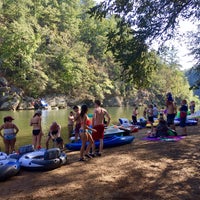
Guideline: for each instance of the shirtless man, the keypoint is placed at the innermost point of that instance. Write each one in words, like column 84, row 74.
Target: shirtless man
column 171, row 110
column 98, row 124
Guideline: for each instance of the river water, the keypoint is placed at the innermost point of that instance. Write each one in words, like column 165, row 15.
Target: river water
column 22, row 119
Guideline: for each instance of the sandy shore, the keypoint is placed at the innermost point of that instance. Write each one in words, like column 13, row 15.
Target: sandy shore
column 142, row 170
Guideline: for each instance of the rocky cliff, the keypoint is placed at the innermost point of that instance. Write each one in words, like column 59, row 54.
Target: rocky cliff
column 12, row 98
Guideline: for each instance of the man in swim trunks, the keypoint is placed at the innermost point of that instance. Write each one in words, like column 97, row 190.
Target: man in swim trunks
column 98, row 124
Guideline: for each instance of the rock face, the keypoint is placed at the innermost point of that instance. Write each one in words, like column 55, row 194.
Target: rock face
column 10, row 102
column 9, row 99
column 12, row 98
column 56, row 101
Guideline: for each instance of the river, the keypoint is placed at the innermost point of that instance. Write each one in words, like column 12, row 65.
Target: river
column 22, row 119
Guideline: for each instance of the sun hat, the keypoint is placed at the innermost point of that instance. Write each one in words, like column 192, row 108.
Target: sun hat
column 8, row 118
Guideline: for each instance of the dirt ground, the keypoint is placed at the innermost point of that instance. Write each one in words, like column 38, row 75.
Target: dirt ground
column 142, row 170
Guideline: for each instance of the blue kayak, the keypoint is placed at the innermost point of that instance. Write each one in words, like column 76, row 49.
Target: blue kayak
column 112, row 141
column 189, row 122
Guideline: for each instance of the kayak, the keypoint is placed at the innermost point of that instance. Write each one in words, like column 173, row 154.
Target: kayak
column 8, row 167
column 109, row 142
column 110, row 131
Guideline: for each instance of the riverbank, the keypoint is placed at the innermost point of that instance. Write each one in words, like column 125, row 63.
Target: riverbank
column 142, row 170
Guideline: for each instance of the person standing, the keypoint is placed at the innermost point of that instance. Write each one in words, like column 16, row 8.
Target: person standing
column 77, row 120
column 150, row 116
column 37, row 129
column 171, row 110
column 134, row 115
column 84, row 134
column 10, row 131
column 70, row 123
column 98, row 124
column 183, row 116
column 155, row 111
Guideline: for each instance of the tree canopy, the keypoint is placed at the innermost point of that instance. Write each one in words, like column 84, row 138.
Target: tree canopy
column 146, row 21
column 56, row 47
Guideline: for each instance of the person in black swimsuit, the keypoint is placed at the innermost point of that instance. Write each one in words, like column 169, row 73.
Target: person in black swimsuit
column 55, row 135
column 37, row 129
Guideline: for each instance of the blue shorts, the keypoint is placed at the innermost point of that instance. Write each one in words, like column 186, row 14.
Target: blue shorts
column 9, row 137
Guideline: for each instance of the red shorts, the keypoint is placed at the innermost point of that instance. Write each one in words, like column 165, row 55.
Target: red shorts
column 100, row 132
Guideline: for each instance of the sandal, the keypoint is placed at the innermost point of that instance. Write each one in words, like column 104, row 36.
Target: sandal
column 81, row 159
column 88, row 156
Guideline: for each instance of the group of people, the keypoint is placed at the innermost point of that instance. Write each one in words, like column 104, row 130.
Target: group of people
column 10, row 131
column 170, row 112
column 81, row 129
column 82, row 126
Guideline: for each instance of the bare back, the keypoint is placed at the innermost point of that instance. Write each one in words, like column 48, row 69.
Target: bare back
column 36, row 123
column 99, row 114
column 170, row 108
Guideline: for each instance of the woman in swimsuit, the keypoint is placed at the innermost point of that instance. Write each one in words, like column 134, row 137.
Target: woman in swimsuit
column 37, row 129
column 84, row 134
column 9, row 136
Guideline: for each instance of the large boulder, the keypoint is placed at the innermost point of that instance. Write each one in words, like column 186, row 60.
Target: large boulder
column 10, row 102
column 59, row 101
column 27, row 103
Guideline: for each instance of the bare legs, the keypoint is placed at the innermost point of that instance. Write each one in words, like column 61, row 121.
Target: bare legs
column 100, row 147
column 84, row 138
column 47, row 142
column 9, row 145
column 91, row 142
column 36, row 141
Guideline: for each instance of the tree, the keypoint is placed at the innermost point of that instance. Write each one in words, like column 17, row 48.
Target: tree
column 145, row 21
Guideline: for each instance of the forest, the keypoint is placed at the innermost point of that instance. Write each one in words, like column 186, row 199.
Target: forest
column 78, row 49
